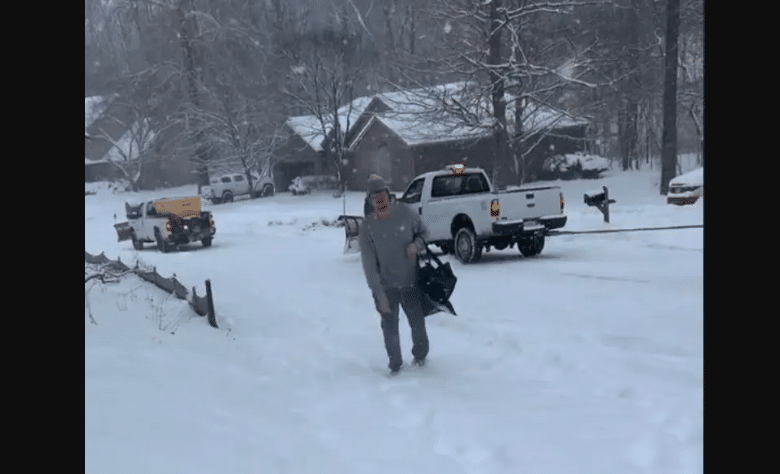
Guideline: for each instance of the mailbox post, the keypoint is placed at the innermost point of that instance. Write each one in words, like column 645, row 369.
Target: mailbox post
column 600, row 200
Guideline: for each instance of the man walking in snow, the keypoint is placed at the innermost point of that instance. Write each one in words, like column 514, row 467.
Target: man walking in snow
column 390, row 239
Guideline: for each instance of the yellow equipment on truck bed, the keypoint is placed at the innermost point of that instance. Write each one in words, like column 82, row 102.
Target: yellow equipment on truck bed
column 184, row 207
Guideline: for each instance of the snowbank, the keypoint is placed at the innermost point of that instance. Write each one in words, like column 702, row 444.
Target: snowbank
column 574, row 166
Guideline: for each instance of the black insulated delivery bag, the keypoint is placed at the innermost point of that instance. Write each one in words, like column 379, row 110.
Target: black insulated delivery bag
column 436, row 283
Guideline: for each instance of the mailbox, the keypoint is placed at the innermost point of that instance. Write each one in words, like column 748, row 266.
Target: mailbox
column 599, row 199
column 594, row 198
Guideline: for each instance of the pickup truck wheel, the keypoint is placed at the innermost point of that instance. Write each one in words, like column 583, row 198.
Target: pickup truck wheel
column 531, row 246
column 268, row 190
column 467, row 249
column 206, row 242
column 137, row 244
column 161, row 244
column 227, row 196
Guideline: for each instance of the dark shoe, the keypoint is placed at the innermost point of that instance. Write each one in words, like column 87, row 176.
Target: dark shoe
column 394, row 369
column 419, row 362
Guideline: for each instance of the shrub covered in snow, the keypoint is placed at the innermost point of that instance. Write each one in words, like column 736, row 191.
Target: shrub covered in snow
column 101, row 187
column 575, row 166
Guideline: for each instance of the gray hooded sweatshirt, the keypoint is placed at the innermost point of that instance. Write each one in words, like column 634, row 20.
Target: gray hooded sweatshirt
column 383, row 243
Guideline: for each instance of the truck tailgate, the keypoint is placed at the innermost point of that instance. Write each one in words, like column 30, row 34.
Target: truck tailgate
column 530, row 202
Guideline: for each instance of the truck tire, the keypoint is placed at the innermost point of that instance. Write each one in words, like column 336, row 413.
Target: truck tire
column 268, row 190
column 227, row 196
column 531, row 246
column 137, row 244
column 162, row 245
column 467, row 249
column 206, row 242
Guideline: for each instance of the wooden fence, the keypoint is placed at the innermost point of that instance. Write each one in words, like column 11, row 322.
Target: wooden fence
column 202, row 305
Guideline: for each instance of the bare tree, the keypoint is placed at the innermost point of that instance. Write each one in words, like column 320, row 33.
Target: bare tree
column 327, row 93
column 232, row 128
column 138, row 145
column 500, row 46
column 324, row 69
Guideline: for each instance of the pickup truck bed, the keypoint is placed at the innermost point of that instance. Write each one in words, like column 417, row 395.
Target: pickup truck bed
column 527, row 204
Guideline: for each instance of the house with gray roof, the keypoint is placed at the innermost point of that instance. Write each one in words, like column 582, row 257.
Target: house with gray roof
column 400, row 135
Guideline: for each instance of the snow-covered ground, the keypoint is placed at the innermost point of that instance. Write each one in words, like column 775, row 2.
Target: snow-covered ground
column 585, row 359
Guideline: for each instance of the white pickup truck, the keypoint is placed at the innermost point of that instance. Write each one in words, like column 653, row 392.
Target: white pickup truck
column 224, row 188
column 464, row 214
column 168, row 222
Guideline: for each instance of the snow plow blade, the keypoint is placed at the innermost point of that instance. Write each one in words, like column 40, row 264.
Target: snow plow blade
column 123, row 231
column 352, row 230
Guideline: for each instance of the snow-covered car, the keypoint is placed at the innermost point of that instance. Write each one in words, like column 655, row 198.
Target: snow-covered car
column 686, row 188
column 225, row 187
column 298, row 186
column 320, row 181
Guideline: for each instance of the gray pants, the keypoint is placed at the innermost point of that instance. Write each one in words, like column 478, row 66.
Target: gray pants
column 410, row 300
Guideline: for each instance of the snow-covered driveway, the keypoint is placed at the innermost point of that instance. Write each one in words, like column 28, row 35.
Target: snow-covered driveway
column 585, row 359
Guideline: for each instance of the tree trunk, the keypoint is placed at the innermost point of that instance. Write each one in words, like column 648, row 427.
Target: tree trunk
column 629, row 124
column 669, row 153
column 629, row 133
column 500, row 174
column 187, row 33
column 517, row 143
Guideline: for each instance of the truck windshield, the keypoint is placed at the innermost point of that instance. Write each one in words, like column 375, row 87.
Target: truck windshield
column 133, row 210
column 414, row 192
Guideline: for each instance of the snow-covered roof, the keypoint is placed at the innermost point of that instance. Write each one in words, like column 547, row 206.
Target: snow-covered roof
column 126, row 143
column 94, row 106
column 420, row 116
column 87, row 161
column 309, row 127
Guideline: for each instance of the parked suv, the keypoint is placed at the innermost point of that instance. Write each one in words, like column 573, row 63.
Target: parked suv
column 227, row 186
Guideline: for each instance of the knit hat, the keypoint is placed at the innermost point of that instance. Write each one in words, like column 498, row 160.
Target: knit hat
column 376, row 183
